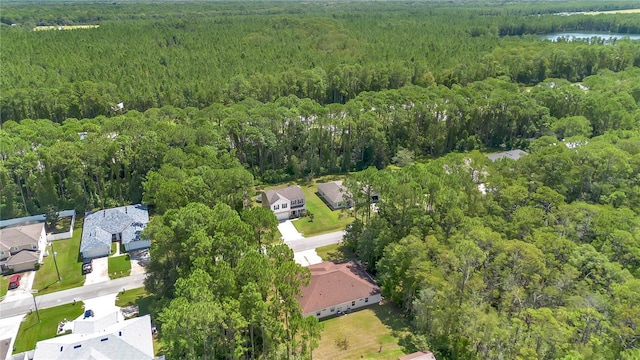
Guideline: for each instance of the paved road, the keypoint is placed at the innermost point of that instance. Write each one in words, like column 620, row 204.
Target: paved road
column 23, row 305
column 20, row 306
column 317, row 241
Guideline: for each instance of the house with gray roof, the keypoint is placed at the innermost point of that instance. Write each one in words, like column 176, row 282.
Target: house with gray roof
column 103, row 227
column 285, row 203
column 334, row 194
column 511, row 154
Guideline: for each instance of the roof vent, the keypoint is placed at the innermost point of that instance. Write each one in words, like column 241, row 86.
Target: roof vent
column 105, row 339
column 77, row 346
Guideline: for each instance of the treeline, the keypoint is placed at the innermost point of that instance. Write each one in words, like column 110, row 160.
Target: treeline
column 107, row 161
column 535, row 258
column 329, row 53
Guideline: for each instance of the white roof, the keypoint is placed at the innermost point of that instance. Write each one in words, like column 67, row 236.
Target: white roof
column 128, row 339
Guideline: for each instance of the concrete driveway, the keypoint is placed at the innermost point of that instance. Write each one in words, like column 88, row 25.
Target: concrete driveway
column 100, row 271
column 307, row 257
column 139, row 260
column 288, row 231
column 24, row 290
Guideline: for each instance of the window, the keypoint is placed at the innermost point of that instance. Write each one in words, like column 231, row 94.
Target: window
column 284, row 206
column 366, row 300
column 276, row 207
column 353, row 303
column 318, row 313
column 333, row 309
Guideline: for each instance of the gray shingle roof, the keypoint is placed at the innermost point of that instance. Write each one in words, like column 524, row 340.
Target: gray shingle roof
column 511, row 154
column 290, row 193
column 99, row 226
column 333, row 191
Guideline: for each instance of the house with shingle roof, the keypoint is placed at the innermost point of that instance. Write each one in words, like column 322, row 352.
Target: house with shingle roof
column 103, row 227
column 334, row 194
column 14, row 241
column 285, row 203
column 110, row 339
column 511, row 154
column 337, row 287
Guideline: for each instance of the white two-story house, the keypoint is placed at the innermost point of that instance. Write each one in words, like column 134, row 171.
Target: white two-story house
column 285, row 203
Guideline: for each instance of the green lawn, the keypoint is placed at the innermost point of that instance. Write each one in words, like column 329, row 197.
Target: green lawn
column 324, row 219
column 371, row 333
column 69, row 264
column 135, row 297
column 335, row 252
column 4, row 285
column 119, row 266
column 31, row 331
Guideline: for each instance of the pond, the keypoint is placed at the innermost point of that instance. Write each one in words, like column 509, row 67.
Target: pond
column 571, row 36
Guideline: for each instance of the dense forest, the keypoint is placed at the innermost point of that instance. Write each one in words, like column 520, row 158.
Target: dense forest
column 208, row 53
column 531, row 259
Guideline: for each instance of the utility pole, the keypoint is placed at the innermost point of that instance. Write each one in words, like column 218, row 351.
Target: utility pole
column 55, row 262
column 33, row 293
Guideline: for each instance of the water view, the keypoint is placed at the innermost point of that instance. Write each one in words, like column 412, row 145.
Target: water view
column 571, row 36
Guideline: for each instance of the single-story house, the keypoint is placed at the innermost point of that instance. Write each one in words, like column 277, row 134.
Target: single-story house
column 337, row 287
column 108, row 338
column 420, row 355
column 285, row 203
column 103, row 227
column 511, row 154
column 335, row 194
column 21, row 246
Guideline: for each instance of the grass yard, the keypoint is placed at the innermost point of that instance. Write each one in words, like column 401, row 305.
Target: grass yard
column 324, row 219
column 372, row 333
column 31, row 331
column 4, row 285
column 135, row 297
column 62, row 225
column 335, row 252
column 69, row 264
column 119, row 266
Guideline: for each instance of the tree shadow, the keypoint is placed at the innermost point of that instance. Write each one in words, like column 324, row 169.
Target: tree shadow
column 341, row 253
column 390, row 315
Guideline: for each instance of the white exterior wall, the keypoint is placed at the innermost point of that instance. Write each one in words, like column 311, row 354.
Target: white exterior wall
column 68, row 234
column 134, row 245
column 359, row 303
column 281, row 214
column 96, row 253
